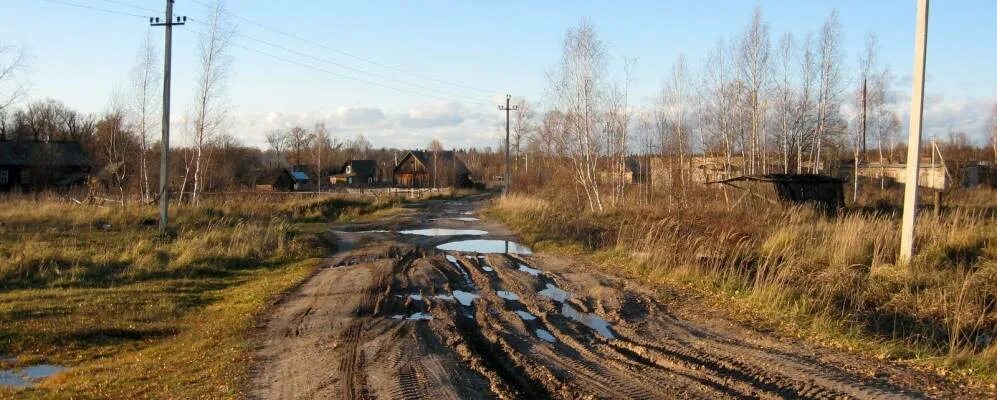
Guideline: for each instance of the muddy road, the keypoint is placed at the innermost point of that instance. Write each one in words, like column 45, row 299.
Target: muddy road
column 393, row 316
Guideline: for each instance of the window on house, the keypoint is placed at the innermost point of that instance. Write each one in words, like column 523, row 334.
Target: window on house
column 24, row 177
column 3, row 177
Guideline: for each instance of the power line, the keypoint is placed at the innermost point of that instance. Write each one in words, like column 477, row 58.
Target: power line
column 359, row 70
column 348, row 54
column 323, row 70
column 137, row 7
column 66, row 3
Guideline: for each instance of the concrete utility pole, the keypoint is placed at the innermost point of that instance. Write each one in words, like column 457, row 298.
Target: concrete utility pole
column 914, row 135
column 164, row 162
column 508, row 177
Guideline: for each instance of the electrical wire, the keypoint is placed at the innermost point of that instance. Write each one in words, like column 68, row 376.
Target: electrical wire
column 123, row 4
column 66, row 3
column 345, row 53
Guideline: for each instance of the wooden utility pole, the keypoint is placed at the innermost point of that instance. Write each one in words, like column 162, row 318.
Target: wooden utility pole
column 508, row 177
column 164, row 161
column 914, row 135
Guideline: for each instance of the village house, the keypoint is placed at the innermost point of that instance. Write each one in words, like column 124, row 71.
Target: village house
column 29, row 165
column 283, row 180
column 357, row 173
column 431, row 169
column 932, row 175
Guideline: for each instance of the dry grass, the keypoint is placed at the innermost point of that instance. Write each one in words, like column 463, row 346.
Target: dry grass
column 136, row 315
column 834, row 278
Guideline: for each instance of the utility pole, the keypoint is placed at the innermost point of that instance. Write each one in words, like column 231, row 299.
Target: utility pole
column 164, row 159
column 914, row 135
column 508, row 177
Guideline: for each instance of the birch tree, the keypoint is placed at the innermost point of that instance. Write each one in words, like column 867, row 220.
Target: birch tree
column 578, row 90
column 829, row 53
column 209, row 103
column 522, row 126
column 13, row 63
column 753, row 65
column 320, row 149
column 145, row 92
column 785, row 102
column 675, row 104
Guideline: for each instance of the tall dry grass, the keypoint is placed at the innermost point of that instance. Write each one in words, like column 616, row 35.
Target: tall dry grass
column 830, row 276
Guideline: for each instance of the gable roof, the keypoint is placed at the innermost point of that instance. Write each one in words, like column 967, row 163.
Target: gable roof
column 445, row 158
column 40, row 153
column 361, row 167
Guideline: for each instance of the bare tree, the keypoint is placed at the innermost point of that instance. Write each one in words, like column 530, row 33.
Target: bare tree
column 13, row 63
column 359, row 147
column 676, row 107
column 829, row 53
column 320, row 149
column 210, row 107
column 298, row 141
column 993, row 132
column 522, row 126
column 785, row 102
column 579, row 93
column 277, row 140
column 145, row 84
column 436, row 148
column 753, row 65
column 719, row 98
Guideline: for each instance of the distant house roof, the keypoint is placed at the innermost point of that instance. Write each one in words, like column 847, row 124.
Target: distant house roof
column 446, row 158
column 361, row 167
column 40, row 153
column 300, row 176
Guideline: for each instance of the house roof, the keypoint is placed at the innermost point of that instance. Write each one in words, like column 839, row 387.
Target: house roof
column 300, row 176
column 784, row 178
column 361, row 167
column 446, row 157
column 40, row 153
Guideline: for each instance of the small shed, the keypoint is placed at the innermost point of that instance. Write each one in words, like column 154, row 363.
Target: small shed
column 826, row 192
column 282, row 180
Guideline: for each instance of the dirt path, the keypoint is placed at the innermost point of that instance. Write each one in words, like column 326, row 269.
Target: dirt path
column 393, row 317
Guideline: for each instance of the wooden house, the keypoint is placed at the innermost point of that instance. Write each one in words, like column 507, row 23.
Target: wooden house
column 282, row 180
column 357, row 173
column 31, row 165
column 427, row 169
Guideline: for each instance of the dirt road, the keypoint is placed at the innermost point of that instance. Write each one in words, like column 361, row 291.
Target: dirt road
column 394, row 317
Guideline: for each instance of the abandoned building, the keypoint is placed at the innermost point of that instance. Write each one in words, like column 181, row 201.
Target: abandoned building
column 29, row 165
column 937, row 175
column 825, row 192
column 283, row 180
column 431, row 169
column 357, row 173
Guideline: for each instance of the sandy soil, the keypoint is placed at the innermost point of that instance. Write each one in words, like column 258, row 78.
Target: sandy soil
column 392, row 317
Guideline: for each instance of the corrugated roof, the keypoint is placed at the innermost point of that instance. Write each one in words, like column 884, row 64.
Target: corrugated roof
column 299, row 176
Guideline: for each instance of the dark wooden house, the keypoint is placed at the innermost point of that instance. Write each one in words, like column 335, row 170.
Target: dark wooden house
column 825, row 192
column 30, row 165
column 282, row 180
column 427, row 169
column 357, row 173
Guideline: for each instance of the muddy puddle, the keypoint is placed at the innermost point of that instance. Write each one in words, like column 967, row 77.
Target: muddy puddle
column 485, row 246
column 444, row 232
column 28, row 376
column 462, row 219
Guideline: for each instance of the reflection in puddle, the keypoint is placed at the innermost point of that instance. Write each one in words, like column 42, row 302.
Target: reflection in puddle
column 486, row 246
column 467, row 278
column 444, row 232
column 464, row 219
column 542, row 334
column 525, row 315
column 507, row 295
column 554, row 293
column 525, row 268
column 590, row 320
column 25, row 377
column 419, row 316
column 464, row 298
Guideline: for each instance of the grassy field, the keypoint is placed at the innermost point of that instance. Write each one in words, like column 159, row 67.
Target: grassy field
column 833, row 279
column 134, row 315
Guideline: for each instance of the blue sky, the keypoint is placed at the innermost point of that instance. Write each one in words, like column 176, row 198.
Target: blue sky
column 80, row 56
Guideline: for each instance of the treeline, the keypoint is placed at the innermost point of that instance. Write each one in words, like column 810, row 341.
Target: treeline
column 756, row 104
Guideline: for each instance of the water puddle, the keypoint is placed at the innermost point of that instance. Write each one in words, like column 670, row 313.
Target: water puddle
column 525, row 315
column 464, row 298
column 508, row 295
column 444, row 232
column 419, row 316
column 485, row 246
column 546, row 336
column 28, row 376
column 526, row 268
column 590, row 320
column 554, row 293
column 456, row 264
column 464, row 219
column 374, row 231
column 488, row 269
column 444, row 297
